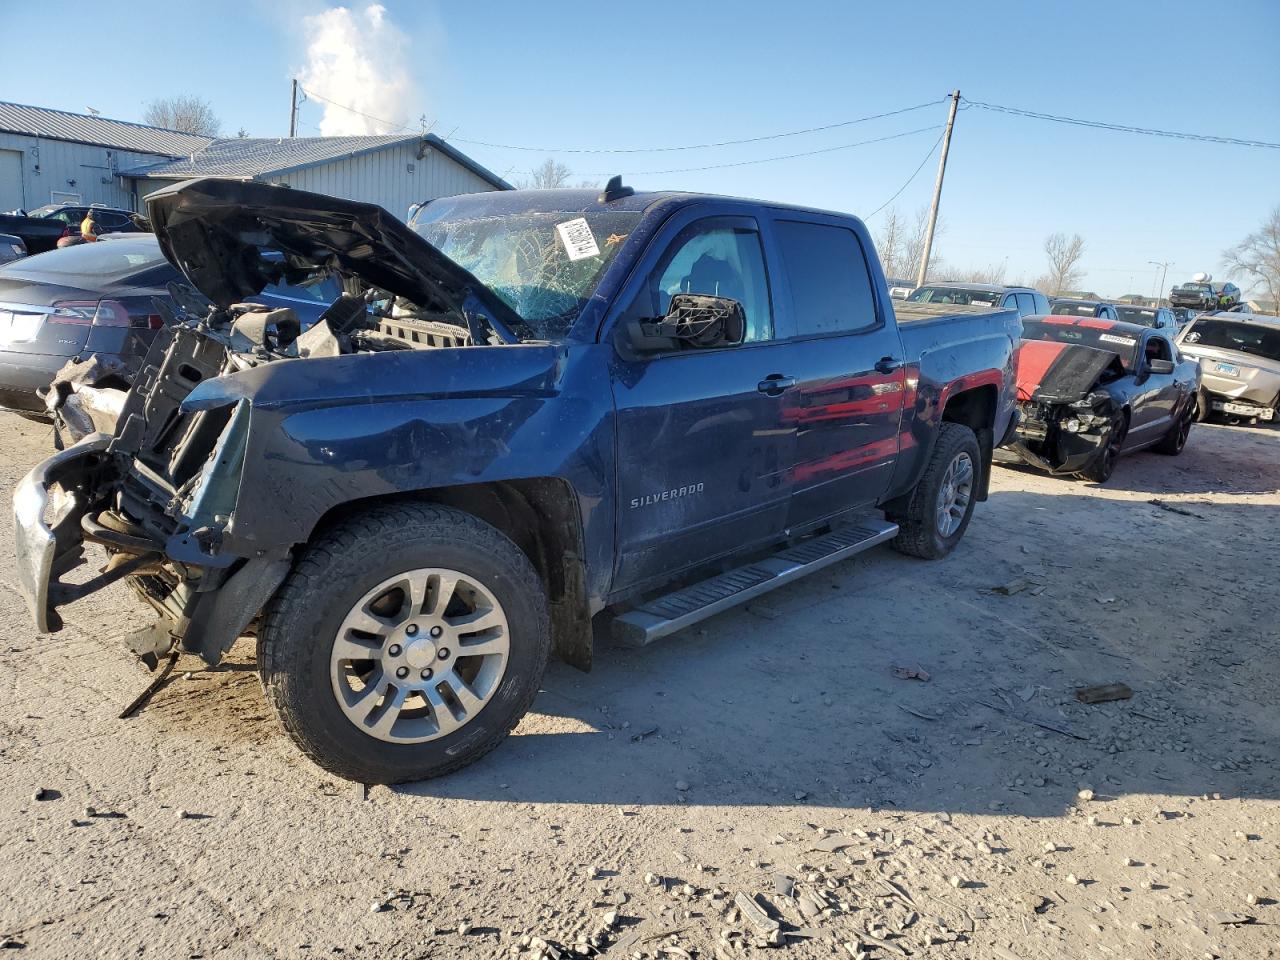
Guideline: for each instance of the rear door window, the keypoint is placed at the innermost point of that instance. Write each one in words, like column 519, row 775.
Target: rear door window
column 828, row 278
column 1026, row 304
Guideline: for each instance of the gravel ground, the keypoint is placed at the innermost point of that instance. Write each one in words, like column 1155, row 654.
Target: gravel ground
column 771, row 753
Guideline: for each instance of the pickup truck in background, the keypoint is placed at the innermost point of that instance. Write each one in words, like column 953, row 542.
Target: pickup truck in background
column 566, row 411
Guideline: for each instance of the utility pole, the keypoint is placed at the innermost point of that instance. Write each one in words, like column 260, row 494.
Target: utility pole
column 1164, row 269
column 937, row 190
column 293, row 110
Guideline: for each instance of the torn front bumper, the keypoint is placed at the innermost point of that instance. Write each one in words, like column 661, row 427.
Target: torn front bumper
column 1239, row 406
column 48, row 547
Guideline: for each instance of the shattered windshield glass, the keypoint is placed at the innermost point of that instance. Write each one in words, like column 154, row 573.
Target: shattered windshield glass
column 544, row 264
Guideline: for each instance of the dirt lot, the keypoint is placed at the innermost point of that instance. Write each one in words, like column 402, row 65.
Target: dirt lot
column 773, row 752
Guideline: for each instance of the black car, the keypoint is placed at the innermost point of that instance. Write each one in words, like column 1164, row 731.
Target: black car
column 42, row 228
column 1161, row 318
column 98, row 298
column 1083, row 308
column 1091, row 389
column 11, row 247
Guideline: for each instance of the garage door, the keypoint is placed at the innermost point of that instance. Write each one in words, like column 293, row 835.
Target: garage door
column 11, row 180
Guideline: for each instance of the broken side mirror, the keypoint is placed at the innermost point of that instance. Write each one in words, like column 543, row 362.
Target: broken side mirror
column 693, row 321
column 1160, row 366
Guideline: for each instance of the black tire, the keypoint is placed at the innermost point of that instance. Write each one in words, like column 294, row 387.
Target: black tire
column 918, row 533
column 333, row 573
column 1105, row 463
column 1203, row 410
column 1173, row 442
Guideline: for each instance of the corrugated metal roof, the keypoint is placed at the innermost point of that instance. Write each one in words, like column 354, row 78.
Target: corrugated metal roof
column 263, row 156
column 100, row 131
column 259, row 156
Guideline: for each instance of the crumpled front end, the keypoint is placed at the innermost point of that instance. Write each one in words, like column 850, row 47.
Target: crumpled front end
column 157, row 497
column 1067, row 416
column 1062, row 438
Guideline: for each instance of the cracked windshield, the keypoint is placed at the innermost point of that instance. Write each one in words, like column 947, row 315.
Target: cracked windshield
column 544, row 265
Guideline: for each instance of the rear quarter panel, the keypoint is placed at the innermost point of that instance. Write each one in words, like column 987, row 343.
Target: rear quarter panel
column 945, row 357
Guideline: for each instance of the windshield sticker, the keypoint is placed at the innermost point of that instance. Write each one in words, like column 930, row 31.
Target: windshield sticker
column 1122, row 341
column 579, row 242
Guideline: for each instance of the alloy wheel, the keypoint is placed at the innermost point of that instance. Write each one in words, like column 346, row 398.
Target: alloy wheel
column 954, row 494
column 419, row 655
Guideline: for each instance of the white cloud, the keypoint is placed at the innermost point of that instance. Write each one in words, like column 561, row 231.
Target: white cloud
column 359, row 59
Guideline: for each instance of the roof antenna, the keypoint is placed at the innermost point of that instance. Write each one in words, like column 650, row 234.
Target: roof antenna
column 614, row 190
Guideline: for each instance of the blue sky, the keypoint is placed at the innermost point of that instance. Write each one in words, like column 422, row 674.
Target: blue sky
column 596, row 76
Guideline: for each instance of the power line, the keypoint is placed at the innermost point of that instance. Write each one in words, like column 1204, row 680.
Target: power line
column 914, row 174
column 745, row 163
column 1121, row 127
column 701, row 146
column 395, row 127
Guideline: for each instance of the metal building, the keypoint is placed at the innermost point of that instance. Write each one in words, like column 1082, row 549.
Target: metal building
column 48, row 156
column 391, row 171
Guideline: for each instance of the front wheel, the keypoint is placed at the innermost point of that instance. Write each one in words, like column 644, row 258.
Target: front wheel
column 406, row 643
column 941, row 504
column 1104, row 464
column 1203, row 410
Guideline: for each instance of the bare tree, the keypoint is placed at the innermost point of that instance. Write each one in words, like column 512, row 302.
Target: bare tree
column 889, row 243
column 913, row 245
column 1064, row 255
column 1258, row 257
column 548, row 175
column 993, row 273
column 185, row 113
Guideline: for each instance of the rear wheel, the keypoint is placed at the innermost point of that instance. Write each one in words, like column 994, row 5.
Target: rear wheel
column 407, row 642
column 1173, row 442
column 1105, row 463
column 941, row 504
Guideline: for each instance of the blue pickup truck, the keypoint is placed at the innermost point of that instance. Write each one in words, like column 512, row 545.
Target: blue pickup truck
column 532, row 417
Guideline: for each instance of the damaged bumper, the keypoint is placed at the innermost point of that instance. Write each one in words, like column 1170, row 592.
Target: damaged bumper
column 48, row 546
column 1058, row 440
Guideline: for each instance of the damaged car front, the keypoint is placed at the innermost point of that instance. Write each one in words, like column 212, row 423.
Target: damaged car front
column 1070, row 393
column 1239, row 357
column 192, row 480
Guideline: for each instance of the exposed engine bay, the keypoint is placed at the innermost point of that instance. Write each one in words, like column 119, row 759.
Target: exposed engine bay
column 162, row 493
column 1068, row 415
column 159, row 451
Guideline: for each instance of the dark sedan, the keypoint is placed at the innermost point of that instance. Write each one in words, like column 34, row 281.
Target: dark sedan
column 1091, row 389
column 98, row 298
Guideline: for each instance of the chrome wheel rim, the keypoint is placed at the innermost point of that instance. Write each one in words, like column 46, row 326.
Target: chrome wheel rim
column 954, row 494
column 419, row 655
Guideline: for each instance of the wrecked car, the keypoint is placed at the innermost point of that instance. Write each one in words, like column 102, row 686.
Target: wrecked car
column 1239, row 355
column 1091, row 389
column 529, row 415
column 95, row 305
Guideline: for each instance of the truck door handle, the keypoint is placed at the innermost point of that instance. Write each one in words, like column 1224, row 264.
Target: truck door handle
column 889, row 364
column 775, row 384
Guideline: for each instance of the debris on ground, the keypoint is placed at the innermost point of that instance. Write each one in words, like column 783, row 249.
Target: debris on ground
column 1104, row 693
column 911, row 673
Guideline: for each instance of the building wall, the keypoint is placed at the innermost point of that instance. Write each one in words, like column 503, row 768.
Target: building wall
column 393, row 178
column 53, row 170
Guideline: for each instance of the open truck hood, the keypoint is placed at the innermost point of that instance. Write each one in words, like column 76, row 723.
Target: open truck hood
column 1051, row 372
column 215, row 230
